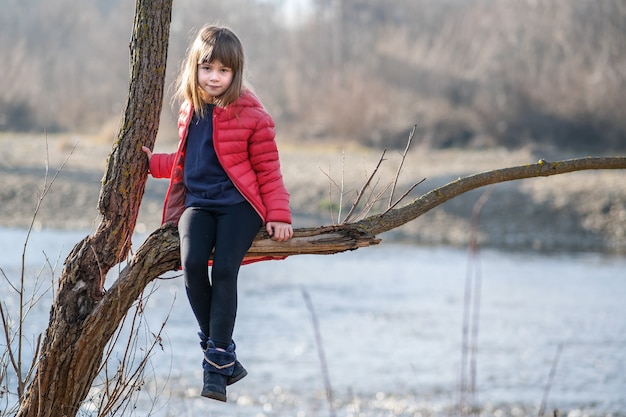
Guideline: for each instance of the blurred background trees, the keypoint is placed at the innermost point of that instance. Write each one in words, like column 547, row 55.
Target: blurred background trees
column 469, row 73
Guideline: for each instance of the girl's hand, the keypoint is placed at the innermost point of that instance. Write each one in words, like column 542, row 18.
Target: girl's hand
column 147, row 151
column 279, row 231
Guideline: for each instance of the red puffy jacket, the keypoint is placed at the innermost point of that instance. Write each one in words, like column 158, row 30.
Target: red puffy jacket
column 243, row 137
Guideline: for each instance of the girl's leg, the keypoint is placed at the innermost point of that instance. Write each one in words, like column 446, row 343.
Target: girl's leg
column 197, row 236
column 236, row 227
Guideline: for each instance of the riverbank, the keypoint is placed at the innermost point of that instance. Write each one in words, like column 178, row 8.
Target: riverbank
column 582, row 211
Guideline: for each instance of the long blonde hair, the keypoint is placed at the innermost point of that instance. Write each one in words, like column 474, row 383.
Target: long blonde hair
column 211, row 43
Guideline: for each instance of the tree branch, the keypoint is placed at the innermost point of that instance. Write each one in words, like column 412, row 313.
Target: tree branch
column 381, row 223
column 324, row 240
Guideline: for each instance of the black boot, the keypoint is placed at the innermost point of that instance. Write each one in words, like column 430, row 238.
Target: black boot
column 238, row 373
column 218, row 367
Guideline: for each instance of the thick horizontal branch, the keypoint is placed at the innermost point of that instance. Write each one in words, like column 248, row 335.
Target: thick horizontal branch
column 321, row 240
column 335, row 239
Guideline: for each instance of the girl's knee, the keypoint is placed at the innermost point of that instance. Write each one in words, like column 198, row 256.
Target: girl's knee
column 224, row 272
column 195, row 266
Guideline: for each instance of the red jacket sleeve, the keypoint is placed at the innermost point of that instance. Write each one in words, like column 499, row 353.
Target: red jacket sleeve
column 161, row 164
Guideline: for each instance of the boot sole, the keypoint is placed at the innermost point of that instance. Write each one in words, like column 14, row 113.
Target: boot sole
column 236, row 378
column 214, row 395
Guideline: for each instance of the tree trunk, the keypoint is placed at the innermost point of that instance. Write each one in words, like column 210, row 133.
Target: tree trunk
column 76, row 336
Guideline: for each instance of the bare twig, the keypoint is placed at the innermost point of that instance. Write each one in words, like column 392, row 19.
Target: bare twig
column 320, row 352
column 374, row 196
column 340, row 187
column 6, row 326
column 330, row 193
column 395, row 181
column 546, row 391
column 33, row 364
column 471, row 311
column 129, row 375
column 369, row 203
column 52, row 268
column 403, row 196
column 9, row 281
column 15, row 337
column 330, row 199
column 359, row 195
column 343, row 176
column 475, row 253
column 46, row 188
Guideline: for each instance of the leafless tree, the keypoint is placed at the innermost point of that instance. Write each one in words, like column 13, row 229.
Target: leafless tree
column 85, row 314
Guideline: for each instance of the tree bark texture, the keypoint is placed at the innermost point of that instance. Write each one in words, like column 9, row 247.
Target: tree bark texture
column 77, row 334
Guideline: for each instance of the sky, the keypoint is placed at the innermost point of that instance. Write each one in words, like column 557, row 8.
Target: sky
column 294, row 10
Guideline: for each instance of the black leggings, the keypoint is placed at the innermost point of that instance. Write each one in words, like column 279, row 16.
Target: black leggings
column 229, row 231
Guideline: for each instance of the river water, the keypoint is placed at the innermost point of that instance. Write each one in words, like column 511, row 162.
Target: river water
column 390, row 325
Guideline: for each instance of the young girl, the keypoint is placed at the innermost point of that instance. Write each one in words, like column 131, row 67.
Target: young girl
column 225, row 183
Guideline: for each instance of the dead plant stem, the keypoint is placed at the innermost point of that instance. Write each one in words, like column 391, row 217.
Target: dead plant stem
column 395, row 180
column 320, row 352
column 546, row 392
column 364, row 187
column 21, row 290
column 471, row 312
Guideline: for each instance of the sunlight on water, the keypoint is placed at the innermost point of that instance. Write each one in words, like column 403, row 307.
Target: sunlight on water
column 390, row 321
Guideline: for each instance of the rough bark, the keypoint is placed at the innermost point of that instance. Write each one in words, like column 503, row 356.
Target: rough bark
column 76, row 336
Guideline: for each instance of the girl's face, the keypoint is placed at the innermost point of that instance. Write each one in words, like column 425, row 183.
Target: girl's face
column 214, row 78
